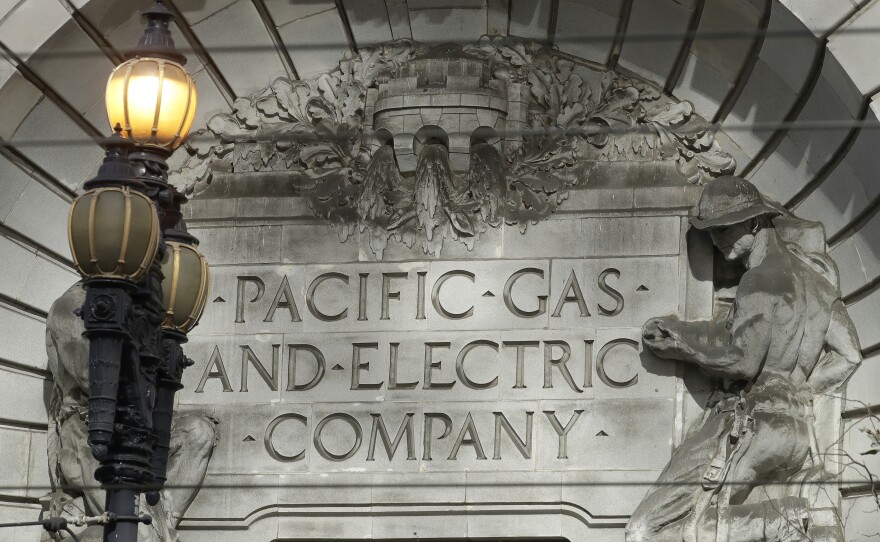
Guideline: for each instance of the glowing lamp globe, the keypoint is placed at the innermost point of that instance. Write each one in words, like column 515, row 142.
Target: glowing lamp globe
column 185, row 286
column 154, row 100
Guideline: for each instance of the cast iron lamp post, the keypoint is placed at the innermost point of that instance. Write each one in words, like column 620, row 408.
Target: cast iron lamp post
column 146, row 281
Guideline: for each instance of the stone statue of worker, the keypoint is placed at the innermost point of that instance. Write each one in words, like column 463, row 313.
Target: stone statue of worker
column 787, row 337
column 71, row 464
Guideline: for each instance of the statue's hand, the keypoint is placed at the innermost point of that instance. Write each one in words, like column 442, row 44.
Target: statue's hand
column 663, row 335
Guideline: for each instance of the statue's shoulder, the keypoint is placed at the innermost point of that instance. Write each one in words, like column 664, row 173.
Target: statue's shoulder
column 772, row 278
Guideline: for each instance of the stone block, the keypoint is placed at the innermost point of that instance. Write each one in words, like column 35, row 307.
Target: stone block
column 864, row 315
column 459, row 162
column 346, row 526
column 435, row 4
column 455, row 524
column 860, row 515
column 784, row 173
column 38, row 467
column 195, row 11
column 23, row 396
column 15, row 513
column 856, row 440
column 530, row 19
column 765, row 99
column 255, row 244
column 213, row 503
column 499, row 104
column 247, row 57
column 864, row 160
column 854, row 48
column 468, row 123
column 703, row 86
column 625, row 236
column 412, row 123
column 393, row 124
column 819, row 18
column 41, row 214
column 443, row 25
column 790, row 55
column 24, row 29
column 625, row 446
column 461, row 83
column 488, row 118
column 89, row 69
column 395, row 102
column 725, row 57
column 607, row 493
column 849, row 264
column 302, row 35
column 836, row 201
column 369, row 21
column 14, row 266
column 211, row 101
column 867, row 242
column 654, row 60
column 45, row 283
column 445, row 100
column 398, row 18
column 498, row 17
column 30, row 334
column 424, row 487
column 15, row 446
column 431, row 115
column 840, row 81
column 315, row 243
column 417, row 101
column 861, row 390
column 16, row 90
column 69, row 163
column 819, row 146
column 578, row 18
column 471, row 101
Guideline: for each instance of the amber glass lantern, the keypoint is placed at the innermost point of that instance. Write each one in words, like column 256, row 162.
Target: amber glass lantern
column 154, row 100
column 113, row 228
column 151, row 95
column 185, row 286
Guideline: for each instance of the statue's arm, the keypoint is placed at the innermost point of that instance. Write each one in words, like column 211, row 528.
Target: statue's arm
column 843, row 355
column 735, row 354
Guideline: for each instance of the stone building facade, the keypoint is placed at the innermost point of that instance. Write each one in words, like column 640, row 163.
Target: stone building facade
column 427, row 323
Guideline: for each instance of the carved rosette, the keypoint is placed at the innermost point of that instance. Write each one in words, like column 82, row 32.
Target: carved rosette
column 426, row 144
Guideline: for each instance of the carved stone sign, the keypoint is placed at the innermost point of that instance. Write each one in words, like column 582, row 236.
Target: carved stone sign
column 505, row 385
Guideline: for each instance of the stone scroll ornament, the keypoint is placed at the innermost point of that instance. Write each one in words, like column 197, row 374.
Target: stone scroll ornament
column 71, row 464
column 423, row 144
column 752, row 469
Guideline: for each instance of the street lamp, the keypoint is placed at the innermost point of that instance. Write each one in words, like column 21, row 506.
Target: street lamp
column 146, row 281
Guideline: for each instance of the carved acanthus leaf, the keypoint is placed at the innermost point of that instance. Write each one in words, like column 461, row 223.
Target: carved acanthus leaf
column 317, row 130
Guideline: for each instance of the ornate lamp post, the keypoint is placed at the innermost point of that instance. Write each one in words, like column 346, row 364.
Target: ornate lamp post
column 146, row 281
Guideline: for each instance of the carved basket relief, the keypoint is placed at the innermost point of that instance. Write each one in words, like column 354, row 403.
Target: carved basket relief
column 423, row 144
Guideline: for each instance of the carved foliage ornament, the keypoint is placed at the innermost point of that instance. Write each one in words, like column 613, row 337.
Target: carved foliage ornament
column 423, row 144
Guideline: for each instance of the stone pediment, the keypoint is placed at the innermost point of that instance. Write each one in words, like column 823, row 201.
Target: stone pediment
column 426, row 144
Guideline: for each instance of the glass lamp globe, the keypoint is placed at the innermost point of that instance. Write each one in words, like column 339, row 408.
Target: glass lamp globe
column 154, row 100
column 113, row 228
column 185, row 286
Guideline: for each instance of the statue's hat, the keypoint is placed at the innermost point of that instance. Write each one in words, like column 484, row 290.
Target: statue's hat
column 729, row 200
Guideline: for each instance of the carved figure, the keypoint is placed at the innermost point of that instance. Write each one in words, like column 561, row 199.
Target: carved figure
column 71, row 464
column 787, row 338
